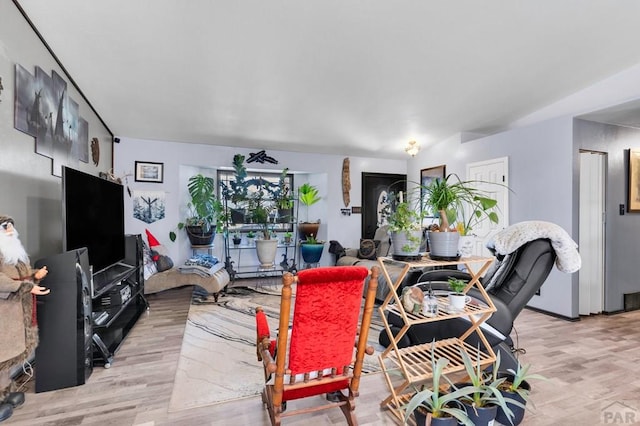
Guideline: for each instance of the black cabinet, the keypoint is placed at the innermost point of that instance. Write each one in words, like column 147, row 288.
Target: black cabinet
column 85, row 318
column 119, row 303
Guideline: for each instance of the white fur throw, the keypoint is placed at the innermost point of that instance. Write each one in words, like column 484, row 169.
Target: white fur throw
column 506, row 241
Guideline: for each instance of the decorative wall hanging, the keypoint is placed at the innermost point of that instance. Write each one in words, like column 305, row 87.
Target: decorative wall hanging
column 45, row 111
column 346, row 182
column 149, row 172
column 149, row 206
column 633, row 179
column 261, row 157
column 95, row 151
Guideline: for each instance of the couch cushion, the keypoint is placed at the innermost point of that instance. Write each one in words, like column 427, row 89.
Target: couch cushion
column 368, row 249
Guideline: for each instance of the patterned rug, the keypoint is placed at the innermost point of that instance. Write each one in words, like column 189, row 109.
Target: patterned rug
column 218, row 357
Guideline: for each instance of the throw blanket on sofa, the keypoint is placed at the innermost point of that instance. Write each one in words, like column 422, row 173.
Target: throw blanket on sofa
column 506, row 241
column 202, row 264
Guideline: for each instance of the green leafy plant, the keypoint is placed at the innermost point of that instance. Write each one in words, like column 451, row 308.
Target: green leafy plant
column 308, row 195
column 457, row 285
column 311, row 239
column 260, row 210
column 403, row 218
column 452, row 198
column 434, row 401
column 520, row 375
column 251, row 234
column 205, row 210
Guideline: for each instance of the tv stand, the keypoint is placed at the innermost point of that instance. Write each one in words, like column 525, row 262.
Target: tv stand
column 117, row 302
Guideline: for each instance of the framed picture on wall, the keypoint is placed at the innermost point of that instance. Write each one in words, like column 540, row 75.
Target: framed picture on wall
column 149, row 172
column 375, row 190
column 633, row 179
column 428, row 175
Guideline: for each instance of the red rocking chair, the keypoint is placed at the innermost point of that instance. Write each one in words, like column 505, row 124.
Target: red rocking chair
column 324, row 351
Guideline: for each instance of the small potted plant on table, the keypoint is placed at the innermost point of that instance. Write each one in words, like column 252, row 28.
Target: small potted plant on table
column 457, row 299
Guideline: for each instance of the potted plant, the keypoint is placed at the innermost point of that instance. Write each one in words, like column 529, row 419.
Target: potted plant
column 205, row 212
column 432, row 406
column 515, row 388
column 237, row 239
column 251, row 237
column 405, row 227
column 457, row 299
column 449, row 198
column 483, row 403
column 308, row 195
column 283, row 198
column 311, row 249
column 287, row 237
column 260, row 209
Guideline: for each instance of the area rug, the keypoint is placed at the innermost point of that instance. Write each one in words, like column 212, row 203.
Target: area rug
column 218, row 360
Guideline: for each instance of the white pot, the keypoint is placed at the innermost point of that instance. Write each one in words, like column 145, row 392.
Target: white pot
column 457, row 301
column 266, row 250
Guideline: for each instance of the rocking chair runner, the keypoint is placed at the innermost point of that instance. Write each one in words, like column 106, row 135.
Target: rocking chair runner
column 318, row 356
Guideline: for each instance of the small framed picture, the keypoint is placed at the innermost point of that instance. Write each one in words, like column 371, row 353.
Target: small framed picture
column 149, row 172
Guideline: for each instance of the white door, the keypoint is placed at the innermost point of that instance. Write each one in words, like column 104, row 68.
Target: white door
column 493, row 171
column 591, row 241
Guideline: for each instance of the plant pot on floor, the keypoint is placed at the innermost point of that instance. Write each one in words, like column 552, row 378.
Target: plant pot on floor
column 421, row 419
column 443, row 245
column 518, row 411
column 199, row 238
column 266, row 250
column 482, row 416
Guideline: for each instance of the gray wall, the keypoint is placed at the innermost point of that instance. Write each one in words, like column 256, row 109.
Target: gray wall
column 540, row 176
column 28, row 191
column 622, row 239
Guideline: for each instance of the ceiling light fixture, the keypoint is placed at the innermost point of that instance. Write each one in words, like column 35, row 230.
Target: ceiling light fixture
column 412, row 148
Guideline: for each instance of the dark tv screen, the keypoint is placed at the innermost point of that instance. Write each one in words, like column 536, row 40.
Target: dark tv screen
column 93, row 217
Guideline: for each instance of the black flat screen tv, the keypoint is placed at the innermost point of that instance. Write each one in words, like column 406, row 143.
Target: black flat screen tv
column 93, row 217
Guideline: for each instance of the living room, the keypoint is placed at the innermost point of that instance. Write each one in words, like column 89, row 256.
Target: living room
column 542, row 147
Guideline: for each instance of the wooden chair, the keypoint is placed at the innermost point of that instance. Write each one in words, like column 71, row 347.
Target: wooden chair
column 324, row 350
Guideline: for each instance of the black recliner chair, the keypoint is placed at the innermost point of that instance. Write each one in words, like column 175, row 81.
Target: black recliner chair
column 516, row 278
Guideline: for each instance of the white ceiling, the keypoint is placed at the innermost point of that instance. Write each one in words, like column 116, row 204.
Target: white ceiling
column 350, row 77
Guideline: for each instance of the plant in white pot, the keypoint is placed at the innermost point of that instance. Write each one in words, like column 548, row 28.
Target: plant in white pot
column 457, row 299
column 405, row 227
column 260, row 210
column 451, row 198
column 205, row 212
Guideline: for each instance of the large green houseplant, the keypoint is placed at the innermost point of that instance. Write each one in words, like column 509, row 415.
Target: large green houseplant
column 205, row 212
column 452, row 199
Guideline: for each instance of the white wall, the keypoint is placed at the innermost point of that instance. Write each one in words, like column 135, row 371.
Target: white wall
column 540, row 176
column 183, row 160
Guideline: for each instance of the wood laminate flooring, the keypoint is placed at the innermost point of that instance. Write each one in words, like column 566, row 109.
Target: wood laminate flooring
column 592, row 365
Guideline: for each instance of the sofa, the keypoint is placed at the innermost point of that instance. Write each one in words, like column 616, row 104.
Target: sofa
column 366, row 255
column 173, row 278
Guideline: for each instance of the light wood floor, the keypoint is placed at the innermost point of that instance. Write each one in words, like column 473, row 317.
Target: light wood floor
column 592, row 366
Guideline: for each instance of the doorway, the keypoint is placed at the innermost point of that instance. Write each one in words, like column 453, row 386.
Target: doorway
column 592, row 232
column 496, row 173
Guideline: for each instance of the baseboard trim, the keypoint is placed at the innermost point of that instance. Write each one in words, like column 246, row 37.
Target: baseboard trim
column 553, row 314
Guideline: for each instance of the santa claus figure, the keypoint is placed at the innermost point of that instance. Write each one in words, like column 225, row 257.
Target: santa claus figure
column 19, row 332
